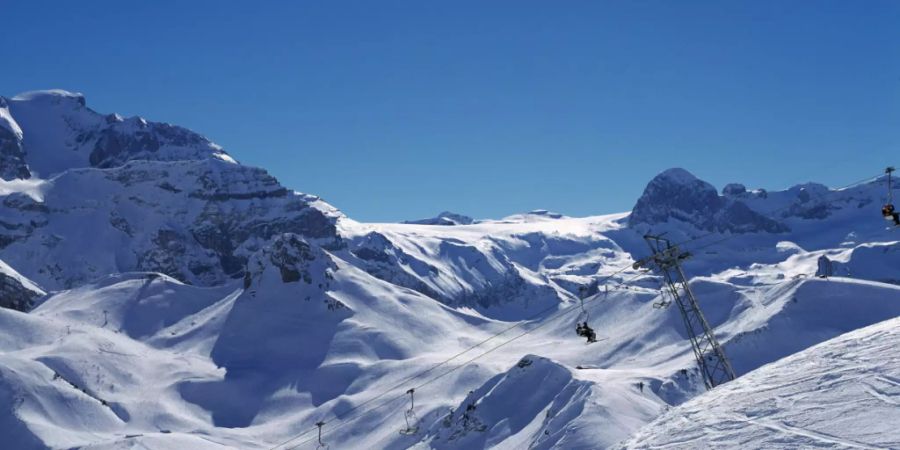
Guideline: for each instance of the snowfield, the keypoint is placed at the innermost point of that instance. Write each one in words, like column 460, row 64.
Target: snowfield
column 157, row 294
column 843, row 393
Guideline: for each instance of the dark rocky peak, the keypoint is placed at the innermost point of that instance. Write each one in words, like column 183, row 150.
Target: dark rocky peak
column 677, row 195
column 734, row 190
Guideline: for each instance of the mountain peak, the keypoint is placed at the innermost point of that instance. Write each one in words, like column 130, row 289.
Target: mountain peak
column 51, row 97
column 677, row 175
column 44, row 133
column 676, row 194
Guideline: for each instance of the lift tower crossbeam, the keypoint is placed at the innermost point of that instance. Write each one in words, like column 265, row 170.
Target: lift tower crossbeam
column 666, row 259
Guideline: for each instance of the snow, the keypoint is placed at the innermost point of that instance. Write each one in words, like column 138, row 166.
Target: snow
column 444, row 218
column 843, row 393
column 148, row 216
column 193, row 302
column 34, row 188
column 154, row 302
column 560, row 405
column 5, row 269
column 49, row 96
column 380, row 335
column 60, row 133
column 51, row 120
column 6, row 120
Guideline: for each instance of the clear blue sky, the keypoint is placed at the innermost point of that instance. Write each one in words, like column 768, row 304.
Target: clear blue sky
column 397, row 110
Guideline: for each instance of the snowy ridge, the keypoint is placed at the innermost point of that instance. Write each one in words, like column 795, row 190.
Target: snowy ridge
column 60, row 132
column 559, row 410
column 843, row 393
column 444, row 218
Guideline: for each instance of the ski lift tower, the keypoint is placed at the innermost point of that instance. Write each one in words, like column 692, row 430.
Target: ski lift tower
column 666, row 259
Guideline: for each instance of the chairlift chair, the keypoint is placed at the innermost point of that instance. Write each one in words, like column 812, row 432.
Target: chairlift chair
column 321, row 445
column 412, row 421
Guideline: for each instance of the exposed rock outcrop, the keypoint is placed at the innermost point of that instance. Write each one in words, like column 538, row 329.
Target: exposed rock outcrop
column 17, row 292
column 12, row 155
column 678, row 195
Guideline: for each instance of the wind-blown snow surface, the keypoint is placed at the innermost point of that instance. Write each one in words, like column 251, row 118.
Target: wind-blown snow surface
column 193, row 302
column 844, row 393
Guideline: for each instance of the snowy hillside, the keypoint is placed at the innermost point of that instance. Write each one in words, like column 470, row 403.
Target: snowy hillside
column 843, row 393
column 158, row 294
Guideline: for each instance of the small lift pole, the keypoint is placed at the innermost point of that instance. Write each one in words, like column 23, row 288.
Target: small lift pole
column 889, row 171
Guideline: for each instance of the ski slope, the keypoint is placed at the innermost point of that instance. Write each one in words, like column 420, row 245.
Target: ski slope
column 843, row 393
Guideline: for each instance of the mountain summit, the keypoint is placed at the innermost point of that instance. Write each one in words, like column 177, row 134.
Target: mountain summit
column 677, row 195
column 48, row 132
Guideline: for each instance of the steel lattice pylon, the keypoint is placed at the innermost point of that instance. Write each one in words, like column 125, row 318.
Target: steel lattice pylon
column 666, row 259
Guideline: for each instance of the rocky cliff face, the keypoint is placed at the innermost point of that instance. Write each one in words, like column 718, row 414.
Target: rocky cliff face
column 129, row 194
column 195, row 221
column 12, row 155
column 676, row 195
column 15, row 296
column 290, row 259
column 124, row 140
column 16, row 292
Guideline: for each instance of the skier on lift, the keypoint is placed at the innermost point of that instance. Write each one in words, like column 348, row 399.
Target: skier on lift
column 889, row 213
column 584, row 330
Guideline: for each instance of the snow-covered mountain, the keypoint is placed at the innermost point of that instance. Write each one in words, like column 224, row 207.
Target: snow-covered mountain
column 54, row 131
column 170, row 201
column 160, row 294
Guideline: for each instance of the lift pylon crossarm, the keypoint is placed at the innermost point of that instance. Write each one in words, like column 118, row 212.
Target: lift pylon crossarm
column 666, row 259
